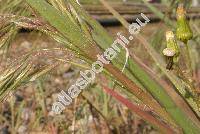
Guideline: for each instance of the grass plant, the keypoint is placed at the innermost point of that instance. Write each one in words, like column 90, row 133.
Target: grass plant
column 69, row 24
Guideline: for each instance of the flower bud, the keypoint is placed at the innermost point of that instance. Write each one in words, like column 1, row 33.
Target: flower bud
column 183, row 31
column 171, row 43
column 172, row 50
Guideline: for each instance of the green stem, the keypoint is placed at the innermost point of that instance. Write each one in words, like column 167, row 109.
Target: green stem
column 195, row 92
column 188, row 60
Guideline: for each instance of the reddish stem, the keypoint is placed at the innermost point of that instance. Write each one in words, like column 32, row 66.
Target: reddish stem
column 136, row 109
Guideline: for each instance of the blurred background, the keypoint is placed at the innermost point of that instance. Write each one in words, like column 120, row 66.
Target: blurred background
column 27, row 110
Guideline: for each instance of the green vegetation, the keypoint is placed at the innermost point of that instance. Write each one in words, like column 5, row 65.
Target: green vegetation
column 69, row 24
